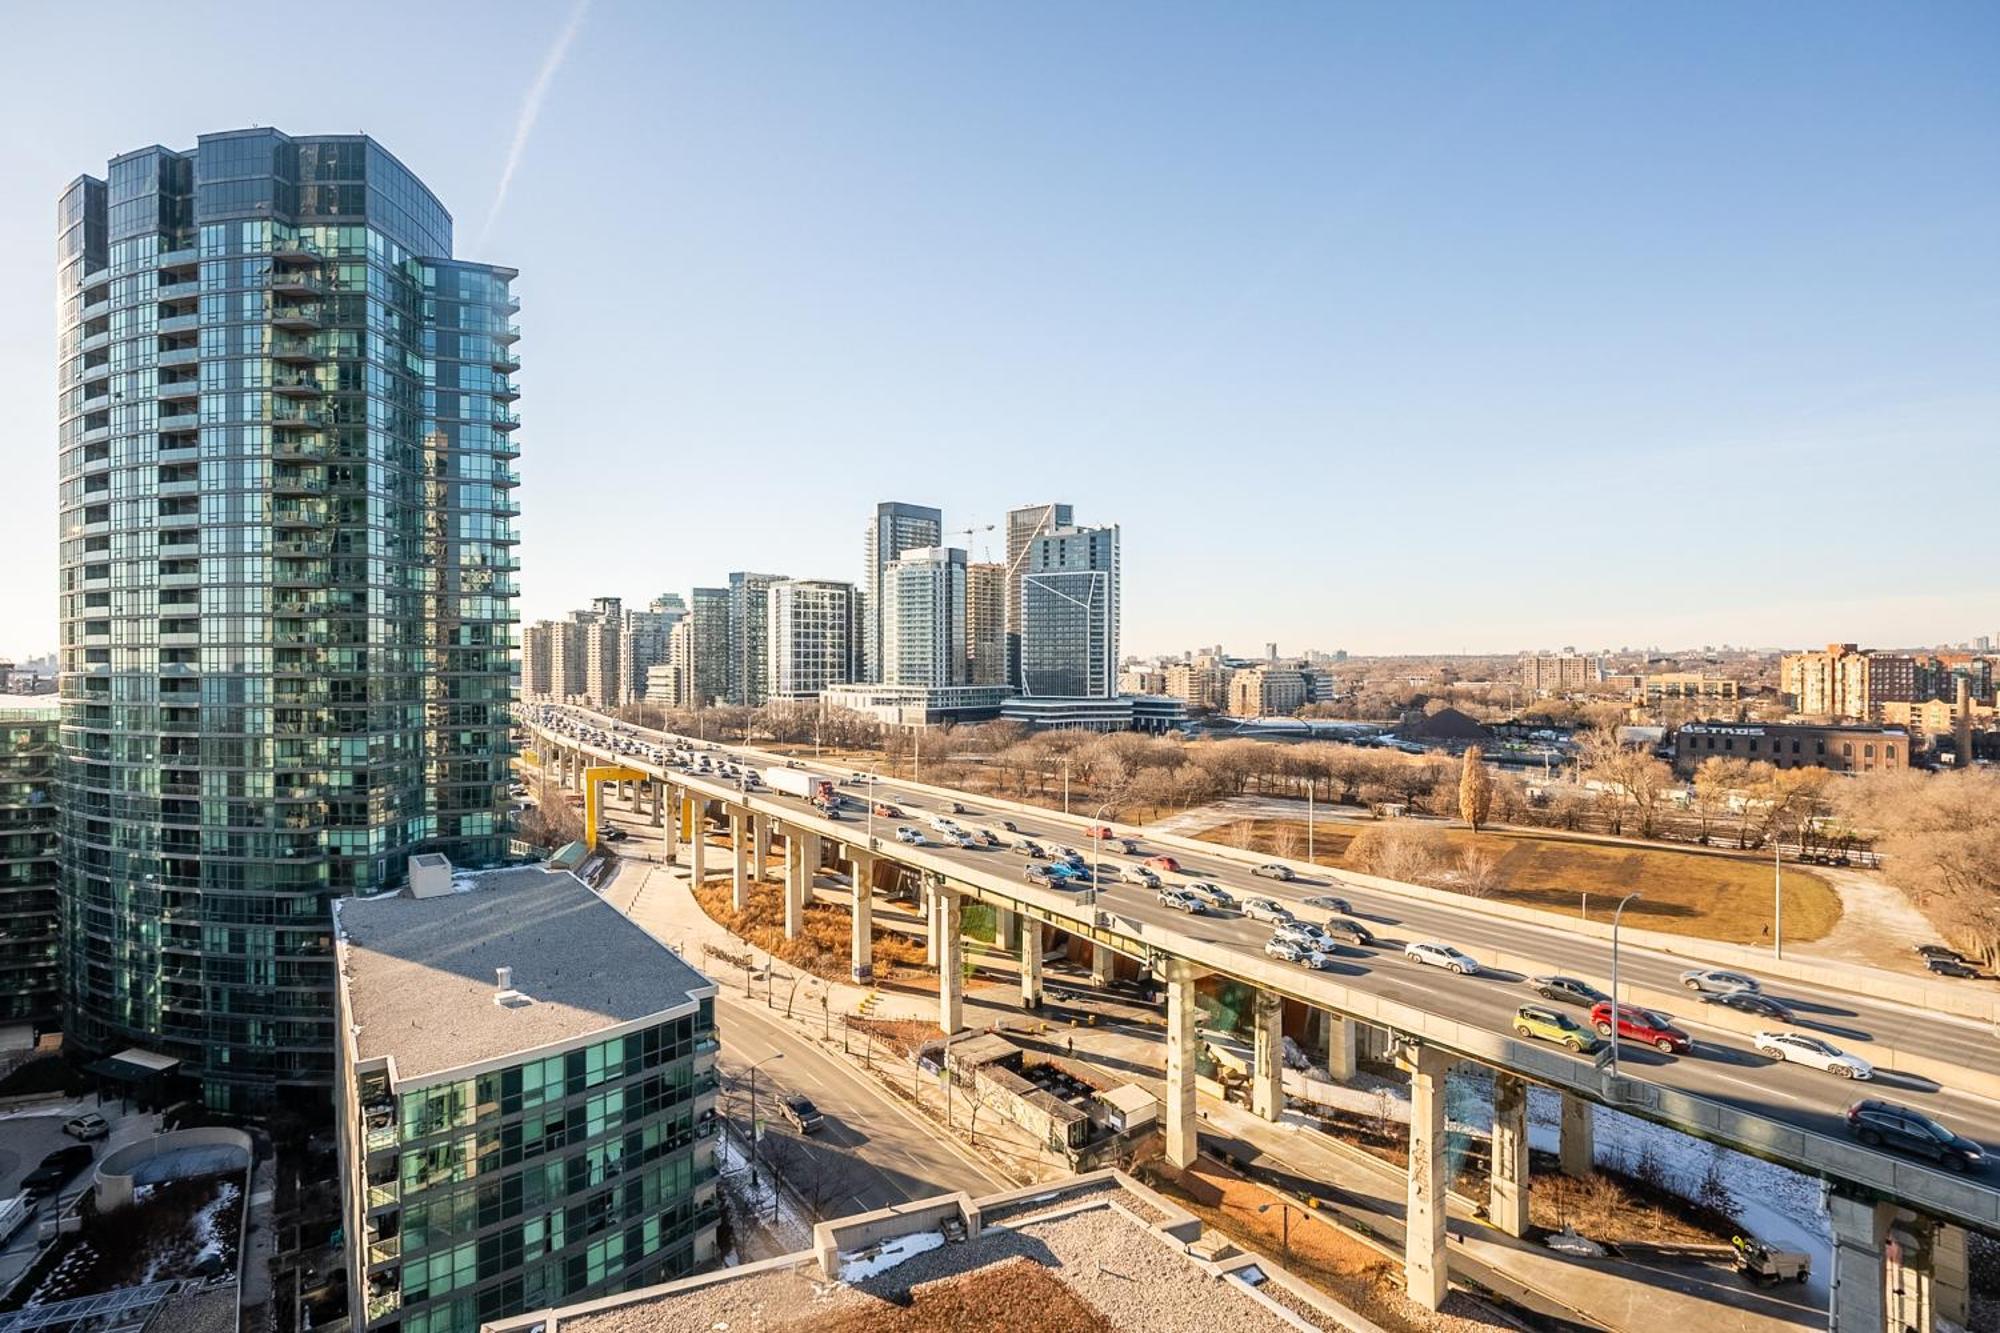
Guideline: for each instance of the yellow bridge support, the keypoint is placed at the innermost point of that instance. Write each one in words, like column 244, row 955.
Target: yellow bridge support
column 592, row 780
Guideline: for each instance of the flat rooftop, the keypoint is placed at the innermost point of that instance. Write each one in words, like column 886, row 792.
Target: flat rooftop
column 1076, row 1258
column 419, row 973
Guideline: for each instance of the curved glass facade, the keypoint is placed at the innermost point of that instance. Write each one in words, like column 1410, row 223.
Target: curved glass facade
column 287, row 494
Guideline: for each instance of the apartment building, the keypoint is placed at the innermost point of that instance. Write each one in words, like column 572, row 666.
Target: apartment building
column 986, row 623
column 897, row 528
column 1023, row 526
column 749, row 659
column 1269, row 690
column 1069, row 614
column 815, row 637
column 923, row 620
column 30, row 847
column 1553, row 673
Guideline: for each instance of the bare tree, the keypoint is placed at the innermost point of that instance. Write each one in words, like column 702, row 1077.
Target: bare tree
column 1941, row 845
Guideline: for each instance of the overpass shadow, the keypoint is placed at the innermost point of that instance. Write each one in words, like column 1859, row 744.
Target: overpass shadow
column 1890, row 1078
column 1799, row 1006
column 1715, row 1054
column 1836, row 1030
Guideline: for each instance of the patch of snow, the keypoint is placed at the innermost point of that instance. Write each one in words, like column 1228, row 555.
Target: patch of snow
column 864, row 1264
column 1568, row 1242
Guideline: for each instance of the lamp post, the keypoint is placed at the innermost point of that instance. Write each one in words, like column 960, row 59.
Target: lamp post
column 753, row 1114
column 1096, row 851
column 1778, row 898
column 1065, row 784
column 1309, row 819
column 1285, row 1212
column 1616, row 913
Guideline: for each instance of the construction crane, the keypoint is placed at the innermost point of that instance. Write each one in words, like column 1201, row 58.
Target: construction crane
column 967, row 533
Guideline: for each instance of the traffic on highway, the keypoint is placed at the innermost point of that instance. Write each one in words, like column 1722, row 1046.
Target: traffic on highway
column 1800, row 1066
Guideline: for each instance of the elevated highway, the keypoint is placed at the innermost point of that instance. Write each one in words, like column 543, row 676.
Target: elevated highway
column 1939, row 1062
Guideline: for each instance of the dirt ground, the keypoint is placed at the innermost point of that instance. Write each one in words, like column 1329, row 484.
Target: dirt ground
column 1347, row 1269
column 1019, row 1296
column 822, row 947
column 1683, row 892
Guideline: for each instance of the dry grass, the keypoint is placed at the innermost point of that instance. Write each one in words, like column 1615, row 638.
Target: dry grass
column 821, row 948
column 903, row 1035
column 1683, row 892
column 1018, row 1296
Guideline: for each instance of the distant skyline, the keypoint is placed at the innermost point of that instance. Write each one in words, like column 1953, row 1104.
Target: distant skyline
column 1461, row 327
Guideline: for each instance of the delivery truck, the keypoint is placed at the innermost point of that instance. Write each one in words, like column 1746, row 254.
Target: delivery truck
column 800, row 783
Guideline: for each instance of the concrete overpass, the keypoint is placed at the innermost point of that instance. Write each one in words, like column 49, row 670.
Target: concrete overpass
column 1882, row 1205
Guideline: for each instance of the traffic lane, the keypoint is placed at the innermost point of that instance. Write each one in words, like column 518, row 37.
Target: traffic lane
column 902, row 1158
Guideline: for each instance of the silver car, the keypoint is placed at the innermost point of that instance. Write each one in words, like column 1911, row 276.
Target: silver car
column 1717, row 980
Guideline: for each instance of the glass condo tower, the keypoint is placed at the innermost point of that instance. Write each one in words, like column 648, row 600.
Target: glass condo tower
column 287, row 598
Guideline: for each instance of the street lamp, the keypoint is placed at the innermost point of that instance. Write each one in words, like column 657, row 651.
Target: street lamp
column 753, row 1113
column 1616, row 913
column 1778, row 896
column 1097, row 851
column 1285, row 1211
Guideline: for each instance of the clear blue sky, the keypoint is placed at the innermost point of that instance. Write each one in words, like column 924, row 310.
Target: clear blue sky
column 1385, row 327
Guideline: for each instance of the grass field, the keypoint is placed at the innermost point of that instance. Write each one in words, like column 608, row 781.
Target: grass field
column 1683, row 893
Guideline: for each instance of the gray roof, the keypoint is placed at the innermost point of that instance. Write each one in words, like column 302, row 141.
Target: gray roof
column 419, row 973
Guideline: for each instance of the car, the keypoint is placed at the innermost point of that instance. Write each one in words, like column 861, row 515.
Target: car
column 958, row 837
column 1798, row 1048
column 1432, row 954
column 1097, row 832
column 1303, row 932
column 1715, row 979
column 1881, row 1124
column 57, row 1168
column 1950, row 967
column 914, row 838
column 1183, row 901
column 943, row 824
column 1296, row 951
column 957, row 809
column 1567, row 990
column 1028, row 847
column 1130, row 846
column 1750, row 1002
column 1060, row 870
column 1939, row 951
column 612, row 834
column 87, row 1127
column 986, row 837
column 1008, row 824
column 1107, row 873
column 1166, row 865
column 1648, row 1027
column 1070, row 855
column 1265, row 909
column 1145, row 876
column 1272, row 870
column 1545, row 1024
column 1348, row 929
column 1327, row 902
column 884, row 810
column 1212, row 893
column 1035, row 873
column 805, row 1117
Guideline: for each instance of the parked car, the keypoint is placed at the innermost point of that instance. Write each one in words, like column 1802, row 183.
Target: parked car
column 1347, row 928
column 1799, row 1049
column 87, row 1127
column 1272, row 870
column 1166, row 865
column 1751, row 1002
column 1183, row 901
column 1567, row 990
column 1545, row 1024
column 57, row 1168
column 1328, row 902
column 1715, row 979
column 1881, row 1124
column 1265, row 909
column 1432, row 954
column 805, row 1117
column 1645, row 1026
column 1212, row 893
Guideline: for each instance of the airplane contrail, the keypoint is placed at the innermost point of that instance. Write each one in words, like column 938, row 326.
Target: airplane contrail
column 531, row 110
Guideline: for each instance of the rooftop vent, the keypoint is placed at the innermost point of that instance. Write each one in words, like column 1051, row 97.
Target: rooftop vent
column 506, row 996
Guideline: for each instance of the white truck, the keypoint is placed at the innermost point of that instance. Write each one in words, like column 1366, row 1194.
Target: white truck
column 14, row 1214
column 807, row 786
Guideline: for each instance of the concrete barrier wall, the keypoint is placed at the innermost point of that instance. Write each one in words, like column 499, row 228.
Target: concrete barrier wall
column 858, row 1232
column 114, row 1177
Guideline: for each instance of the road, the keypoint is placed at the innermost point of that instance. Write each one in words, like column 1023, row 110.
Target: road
column 873, row 1150
column 1724, row 1067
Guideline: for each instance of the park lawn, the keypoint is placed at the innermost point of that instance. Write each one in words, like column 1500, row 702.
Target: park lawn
column 1682, row 892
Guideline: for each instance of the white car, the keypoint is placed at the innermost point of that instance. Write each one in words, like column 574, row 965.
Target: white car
column 1715, row 980
column 1441, row 955
column 1265, row 909
column 1291, row 951
column 910, row 836
column 944, row 824
column 958, row 837
column 1799, row 1049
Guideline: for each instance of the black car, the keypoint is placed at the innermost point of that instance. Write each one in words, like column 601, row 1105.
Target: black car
column 1886, row 1125
column 1348, row 929
column 1008, row 824
column 1568, row 990
column 56, row 1169
column 805, row 1117
column 1750, row 1002
column 1950, row 967
column 1939, row 951
column 1331, row 903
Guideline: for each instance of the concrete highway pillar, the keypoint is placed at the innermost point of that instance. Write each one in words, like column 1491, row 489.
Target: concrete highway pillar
column 933, row 937
column 659, row 797
column 1927, row 1285
column 1426, row 1274
column 697, row 847
column 1031, row 963
column 1855, row 1301
column 1100, row 965
column 951, row 964
column 1951, row 1279
column 795, row 885
column 1578, row 1145
column 739, row 857
column 1339, row 1048
column 1003, row 928
column 760, row 844
column 861, row 938
column 1507, row 1191
column 1267, row 1063
column 815, row 858
column 1183, row 1137
column 669, row 826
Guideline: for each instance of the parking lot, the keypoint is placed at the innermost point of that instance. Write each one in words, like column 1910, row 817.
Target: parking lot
column 27, row 1136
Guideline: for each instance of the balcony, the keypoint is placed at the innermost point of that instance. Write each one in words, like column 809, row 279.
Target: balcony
column 186, row 290
column 385, row 1251
column 177, row 258
column 96, row 341
column 505, row 361
column 295, row 250
column 288, row 515
column 381, row 1304
column 508, row 333
column 298, row 449
column 299, row 418
column 297, row 484
column 96, row 278
column 505, row 393
column 172, row 324
column 298, row 284
column 503, row 421
column 297, row 319
column 302, row 546
column 179, row 356
column 179, row 417
column 178, row 389
column 296, row 351
column 96, row 372
column 297, row 387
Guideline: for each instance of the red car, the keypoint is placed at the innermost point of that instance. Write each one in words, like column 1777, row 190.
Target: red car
column 1098, row 831
column 1646, row 1026
column 1166, row 863
column 883, row 810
